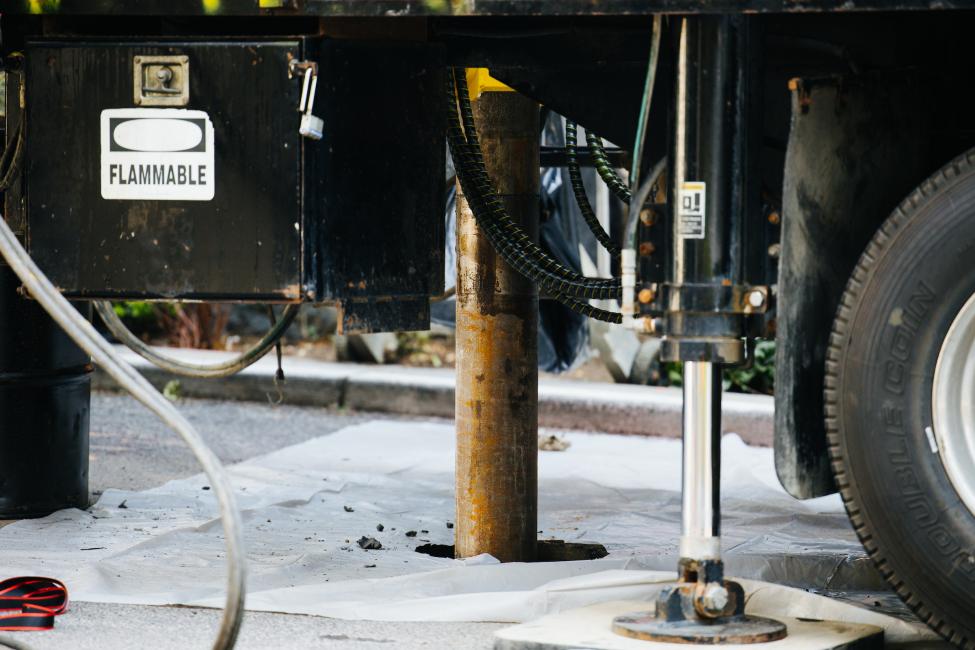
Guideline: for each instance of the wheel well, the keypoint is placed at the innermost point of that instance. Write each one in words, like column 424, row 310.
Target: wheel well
column 859, row 141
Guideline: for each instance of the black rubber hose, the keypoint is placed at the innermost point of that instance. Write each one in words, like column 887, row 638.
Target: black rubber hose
column 186, row 369
column 515, row 255
column 579, row 190
column 509, row 239
column 488, row 210
column 589, row 311
column 495, row 212
column 512, row 242
column 605, row 169
column 509, row 229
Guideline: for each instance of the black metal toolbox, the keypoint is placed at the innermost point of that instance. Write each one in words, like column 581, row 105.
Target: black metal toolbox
column 176, row 170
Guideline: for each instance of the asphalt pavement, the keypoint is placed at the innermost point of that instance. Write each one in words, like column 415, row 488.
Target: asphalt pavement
column 132, row 449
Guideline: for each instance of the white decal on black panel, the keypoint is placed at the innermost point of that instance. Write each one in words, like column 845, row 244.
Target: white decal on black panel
column 162, row 154
column 691, row 210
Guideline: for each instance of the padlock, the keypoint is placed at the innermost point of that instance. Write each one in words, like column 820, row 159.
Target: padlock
column 311, row 125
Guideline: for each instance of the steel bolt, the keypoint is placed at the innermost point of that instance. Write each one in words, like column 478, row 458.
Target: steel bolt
column 645, row 296
column 714, row 599
column 647, row 217
column 756, row 298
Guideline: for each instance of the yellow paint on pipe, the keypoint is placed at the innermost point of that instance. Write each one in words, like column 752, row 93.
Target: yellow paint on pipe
column 479, row 80
column 43, row 6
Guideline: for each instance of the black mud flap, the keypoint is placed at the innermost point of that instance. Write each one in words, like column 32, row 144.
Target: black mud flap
column 856, row 148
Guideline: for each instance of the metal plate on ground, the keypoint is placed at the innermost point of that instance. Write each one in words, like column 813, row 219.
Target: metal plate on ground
column 590, row 628
column 645, row 626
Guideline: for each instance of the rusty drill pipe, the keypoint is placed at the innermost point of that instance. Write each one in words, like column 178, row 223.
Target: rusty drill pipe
column 497, row 349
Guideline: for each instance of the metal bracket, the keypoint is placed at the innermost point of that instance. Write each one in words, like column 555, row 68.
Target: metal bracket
column 161, row 80
column 702, row 608
column 297, row 68
column 704, row 298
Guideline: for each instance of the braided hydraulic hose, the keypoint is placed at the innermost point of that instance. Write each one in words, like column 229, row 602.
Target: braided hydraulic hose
column 605, row 169
column 549, row 272
column 579, row 190
column 589, row 311
column 511, row 241
column 468, row 161
column 515, row 255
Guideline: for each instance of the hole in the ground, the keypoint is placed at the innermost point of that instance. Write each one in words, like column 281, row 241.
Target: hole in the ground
column 436, row 550
column 547, row 550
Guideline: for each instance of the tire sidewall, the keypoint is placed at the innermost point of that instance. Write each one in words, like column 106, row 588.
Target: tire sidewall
column 921, row 273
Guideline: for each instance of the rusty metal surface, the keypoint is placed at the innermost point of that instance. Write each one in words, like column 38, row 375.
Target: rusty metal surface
column 497, row 350
column 383, row 314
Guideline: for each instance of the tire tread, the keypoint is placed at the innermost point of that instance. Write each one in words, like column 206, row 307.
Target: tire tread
column 842, row 323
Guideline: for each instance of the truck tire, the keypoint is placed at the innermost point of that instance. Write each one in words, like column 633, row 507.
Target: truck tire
column 900, row 400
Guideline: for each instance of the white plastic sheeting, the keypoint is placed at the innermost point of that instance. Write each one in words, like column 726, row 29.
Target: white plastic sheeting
column 164, row 546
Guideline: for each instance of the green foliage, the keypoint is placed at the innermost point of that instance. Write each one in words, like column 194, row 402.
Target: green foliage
column 674, row 373
column 145, row 319
column 173, row 390
column 135, row 311
column 421, row 349
column 758, row 376
column 755, row 377
column 408, row 343
column 142, row 318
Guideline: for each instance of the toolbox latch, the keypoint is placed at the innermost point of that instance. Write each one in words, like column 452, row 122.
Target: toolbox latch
column 161, row 80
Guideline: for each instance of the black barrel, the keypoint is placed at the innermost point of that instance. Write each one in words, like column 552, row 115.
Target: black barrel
column 45, row 396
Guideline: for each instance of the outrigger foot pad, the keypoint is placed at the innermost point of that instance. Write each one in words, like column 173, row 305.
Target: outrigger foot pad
column 701, row 608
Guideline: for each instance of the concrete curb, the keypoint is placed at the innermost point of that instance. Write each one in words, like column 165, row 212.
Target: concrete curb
column 563, row 404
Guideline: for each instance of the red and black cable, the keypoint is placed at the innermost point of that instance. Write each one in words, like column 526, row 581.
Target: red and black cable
column 35, row 601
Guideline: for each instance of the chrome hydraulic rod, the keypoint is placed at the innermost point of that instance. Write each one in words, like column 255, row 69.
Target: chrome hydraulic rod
column 701, row 520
